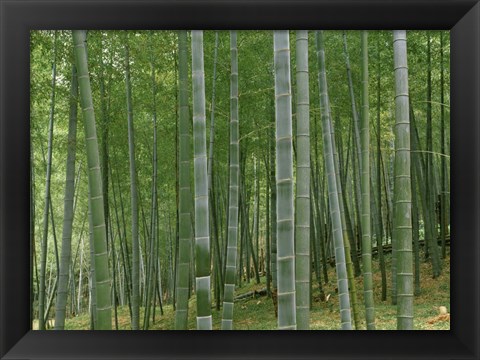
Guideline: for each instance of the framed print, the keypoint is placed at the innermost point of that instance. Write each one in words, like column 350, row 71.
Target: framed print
column 221, row 223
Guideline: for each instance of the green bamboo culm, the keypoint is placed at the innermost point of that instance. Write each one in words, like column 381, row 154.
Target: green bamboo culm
column 284, row 179
column 218, row 266
column 273, row 207
column 302, row 208
column 102, row 276
column 347, row 234
column 93, row 286
column 153, row 246
column 65, row 257
column 365, row 184
column 133, row 195
column 346, row 239
column 444, row 198
column 43, row 255
column 379, row 221
column 402, row 186
column 185, row 224
column 356, row 124
column 202, row 232
column 342, row 279
column 430, row 185
column 227, row 317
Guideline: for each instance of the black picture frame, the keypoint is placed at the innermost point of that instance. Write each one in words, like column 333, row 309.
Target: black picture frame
column 18, row 17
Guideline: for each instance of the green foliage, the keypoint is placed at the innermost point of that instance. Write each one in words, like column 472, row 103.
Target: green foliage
column 256, row 110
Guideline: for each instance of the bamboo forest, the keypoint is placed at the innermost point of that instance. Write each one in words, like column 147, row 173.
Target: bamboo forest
column 245, row 180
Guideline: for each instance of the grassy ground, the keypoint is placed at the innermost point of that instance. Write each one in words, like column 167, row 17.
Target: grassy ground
column 258, row 313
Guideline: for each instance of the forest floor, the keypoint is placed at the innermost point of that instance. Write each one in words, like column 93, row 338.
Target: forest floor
column 258, row 313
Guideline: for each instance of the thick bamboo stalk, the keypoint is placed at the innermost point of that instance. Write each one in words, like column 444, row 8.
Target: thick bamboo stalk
column 402, row 186
column 185, row 227
column 102, row 275
column 302, row 213
column 284, row 179
column 202, row 232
